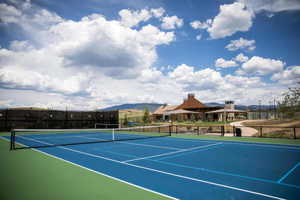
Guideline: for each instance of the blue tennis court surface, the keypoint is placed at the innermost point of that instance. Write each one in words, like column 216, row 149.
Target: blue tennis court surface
column 187, row 168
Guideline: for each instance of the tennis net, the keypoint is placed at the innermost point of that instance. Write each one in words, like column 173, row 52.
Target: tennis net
column 36, row 138
column 103, row 125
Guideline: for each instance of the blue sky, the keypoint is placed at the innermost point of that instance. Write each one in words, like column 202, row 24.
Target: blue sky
column 98, row 53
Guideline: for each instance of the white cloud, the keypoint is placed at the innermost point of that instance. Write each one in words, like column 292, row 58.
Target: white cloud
column 131, row 18
column 222, row 63
column 198, row 37
column 289, row 76
column 272, row 6
column 94, row 62
column 201, row 25
column 261, row 66
column 241, row 58
column 246, row 82
column 192, row 79
column 241, row 44
column 231, row 19
column 158, row 12
column 171, row 22
column 77, row 52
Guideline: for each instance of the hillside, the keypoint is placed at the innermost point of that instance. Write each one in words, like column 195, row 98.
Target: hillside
column 153, row 106
column 138, row 106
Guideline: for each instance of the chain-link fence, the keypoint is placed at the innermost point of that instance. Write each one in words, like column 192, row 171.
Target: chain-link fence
column 241, row 131
column 41, row 119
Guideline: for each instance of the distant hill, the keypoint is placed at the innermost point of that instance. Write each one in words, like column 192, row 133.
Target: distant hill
column 243, row 107
column 138, row 106
column 153, row 106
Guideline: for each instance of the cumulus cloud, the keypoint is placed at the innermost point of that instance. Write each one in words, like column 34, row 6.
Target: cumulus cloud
column 238, row 16
column 171, row 22
column 32, row 21
column 77, row 52
column 272, row 6
column 222, row 63
column 131, row 18
column 247, row 82
column 192, row 79
column 261, row 66
column 289, row 76
column 201, row 25
column 158, row 12
column 242, row 44
column 241, row 58
column 100, row 62
column 231, row 19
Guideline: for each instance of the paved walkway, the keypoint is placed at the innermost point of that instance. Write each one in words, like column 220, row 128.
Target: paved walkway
column 246, row 131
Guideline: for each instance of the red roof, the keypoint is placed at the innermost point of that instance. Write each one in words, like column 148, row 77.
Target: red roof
column 191, row 103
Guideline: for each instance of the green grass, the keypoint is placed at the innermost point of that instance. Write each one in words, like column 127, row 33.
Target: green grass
column 26, row 174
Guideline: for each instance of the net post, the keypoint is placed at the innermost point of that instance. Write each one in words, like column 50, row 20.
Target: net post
column 159, row 129
column 12, row 140
column 170, row 130
column 113, row 134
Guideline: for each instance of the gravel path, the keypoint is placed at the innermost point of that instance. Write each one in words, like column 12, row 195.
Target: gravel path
column 246, row 131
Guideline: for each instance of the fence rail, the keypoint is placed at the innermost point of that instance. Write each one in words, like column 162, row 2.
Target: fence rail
column 242, row 131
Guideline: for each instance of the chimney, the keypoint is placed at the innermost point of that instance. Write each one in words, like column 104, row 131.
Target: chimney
column 191, row 96
column 229, row 105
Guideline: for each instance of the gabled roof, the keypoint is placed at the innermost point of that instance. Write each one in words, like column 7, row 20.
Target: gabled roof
column 191, row 103
column 163, row 108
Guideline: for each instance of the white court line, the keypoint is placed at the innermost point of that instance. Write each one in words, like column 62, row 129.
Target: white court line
column 163, row 172
column 173, row 152
column 114, row 178
column 138, row 144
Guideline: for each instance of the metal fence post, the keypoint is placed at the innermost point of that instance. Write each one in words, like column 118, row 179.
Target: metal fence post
column 233, row 130
column 295, row 137
column 222, row 130
column 260, row 130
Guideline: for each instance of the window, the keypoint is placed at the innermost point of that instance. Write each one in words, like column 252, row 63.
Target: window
column 1, row 115
column 89, row 116
column 51, row 115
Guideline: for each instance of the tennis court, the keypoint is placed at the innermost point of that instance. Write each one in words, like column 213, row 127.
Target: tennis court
column 180, row 168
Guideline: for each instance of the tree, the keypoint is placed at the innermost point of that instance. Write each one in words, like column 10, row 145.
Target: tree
column 290, row 104
column 146, row 117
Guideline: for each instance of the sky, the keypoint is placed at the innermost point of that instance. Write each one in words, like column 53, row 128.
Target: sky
column 91, row 54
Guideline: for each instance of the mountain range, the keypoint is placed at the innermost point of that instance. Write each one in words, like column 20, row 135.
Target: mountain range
column 153, row 106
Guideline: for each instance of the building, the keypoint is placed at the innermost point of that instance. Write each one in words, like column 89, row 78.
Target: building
column 228, row 113
column 160, row 113
column 190, row 109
